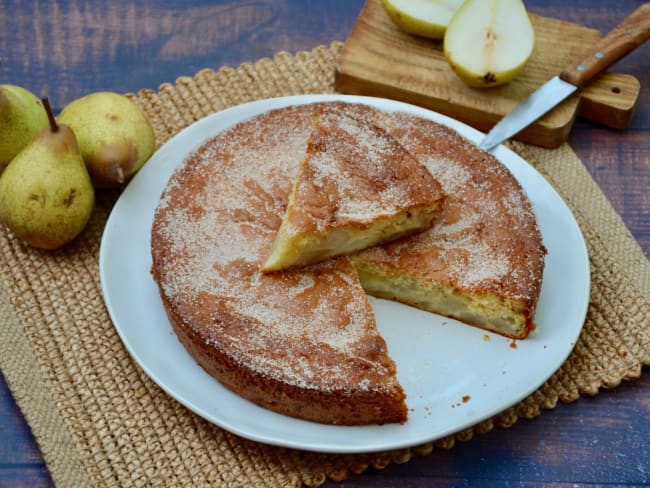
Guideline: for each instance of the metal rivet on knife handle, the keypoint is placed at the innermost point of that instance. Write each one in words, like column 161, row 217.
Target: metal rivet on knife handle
column 625, row 37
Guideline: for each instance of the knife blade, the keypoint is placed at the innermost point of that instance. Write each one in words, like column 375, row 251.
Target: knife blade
column 625, row 37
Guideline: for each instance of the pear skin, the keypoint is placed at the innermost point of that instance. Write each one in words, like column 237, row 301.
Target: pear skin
column 115, row 136
column 21, row 117
column 46, row 195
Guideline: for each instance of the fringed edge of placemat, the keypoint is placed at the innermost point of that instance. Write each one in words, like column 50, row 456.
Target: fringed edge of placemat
column 24, row 376
column 175, row 106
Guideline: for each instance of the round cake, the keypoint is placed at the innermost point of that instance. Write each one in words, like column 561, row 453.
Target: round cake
column 303, row 342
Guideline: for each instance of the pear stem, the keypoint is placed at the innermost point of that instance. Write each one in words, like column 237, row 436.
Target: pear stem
column 50, row 115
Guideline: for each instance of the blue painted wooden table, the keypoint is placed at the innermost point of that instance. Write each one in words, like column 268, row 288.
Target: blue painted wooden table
column 69, row 49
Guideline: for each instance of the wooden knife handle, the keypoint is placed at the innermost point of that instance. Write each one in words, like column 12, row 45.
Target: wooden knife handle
column 625, row 37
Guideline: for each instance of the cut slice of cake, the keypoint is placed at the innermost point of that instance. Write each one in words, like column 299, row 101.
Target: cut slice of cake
column 483, row 261
column 356, row 187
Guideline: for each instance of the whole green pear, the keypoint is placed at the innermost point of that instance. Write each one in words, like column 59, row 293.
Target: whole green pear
column 115, row 135
column 46, row 195
column 21, row 117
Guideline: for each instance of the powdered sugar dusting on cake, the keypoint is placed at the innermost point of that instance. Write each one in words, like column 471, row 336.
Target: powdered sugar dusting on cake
column 355, row 172
column 451, row 176
column 472, row 249
column 218, row 218
column 230, row 196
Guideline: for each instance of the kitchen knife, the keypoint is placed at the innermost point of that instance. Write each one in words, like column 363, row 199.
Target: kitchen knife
column 625, row 37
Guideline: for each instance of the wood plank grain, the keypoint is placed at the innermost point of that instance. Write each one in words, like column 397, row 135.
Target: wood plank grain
column 631, row 33
column 25, row 477
column 602, row 100
column 21, row 462
column 17, row 445
column 67, row 49
column 599, row 441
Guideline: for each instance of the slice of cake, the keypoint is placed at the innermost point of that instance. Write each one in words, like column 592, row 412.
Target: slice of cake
column 355, row 187
column 483, row 261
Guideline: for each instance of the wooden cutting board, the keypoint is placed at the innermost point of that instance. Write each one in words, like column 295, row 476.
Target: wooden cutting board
column 379, row 60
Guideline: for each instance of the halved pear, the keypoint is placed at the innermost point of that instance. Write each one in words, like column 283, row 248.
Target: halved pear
column 488, row 42
column 427, row 18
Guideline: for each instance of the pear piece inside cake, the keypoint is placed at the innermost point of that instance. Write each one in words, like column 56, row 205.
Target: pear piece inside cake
column 356, row 187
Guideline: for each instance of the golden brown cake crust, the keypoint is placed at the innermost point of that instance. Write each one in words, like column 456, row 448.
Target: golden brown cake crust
column 356, row 186
column 303, row 342
column 487, row 241
column 357, row 173
column 364, row 406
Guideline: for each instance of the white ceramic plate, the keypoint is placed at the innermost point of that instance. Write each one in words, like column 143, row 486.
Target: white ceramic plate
column 454, row 375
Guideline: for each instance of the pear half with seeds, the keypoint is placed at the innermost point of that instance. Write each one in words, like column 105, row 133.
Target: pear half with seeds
column 488, row 42
column 427, row 18
column 115, row 136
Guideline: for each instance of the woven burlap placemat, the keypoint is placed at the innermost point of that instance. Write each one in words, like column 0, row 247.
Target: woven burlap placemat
column 100, row 421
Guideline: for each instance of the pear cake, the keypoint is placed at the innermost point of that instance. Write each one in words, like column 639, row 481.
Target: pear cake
column 303, row 341
column 483, row 262
column 356, row 187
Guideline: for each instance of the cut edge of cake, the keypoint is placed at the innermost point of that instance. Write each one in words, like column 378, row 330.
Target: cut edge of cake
column 391, row 194
column 510, row 317
column 375, row 404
